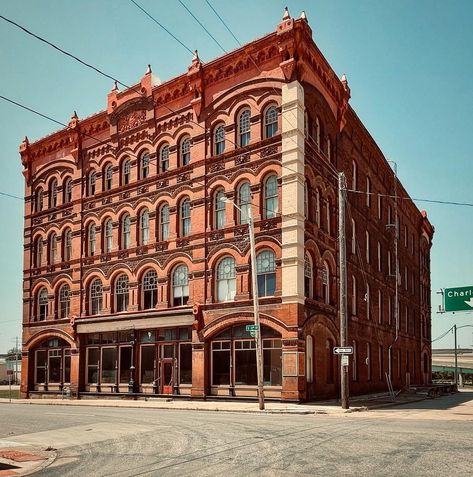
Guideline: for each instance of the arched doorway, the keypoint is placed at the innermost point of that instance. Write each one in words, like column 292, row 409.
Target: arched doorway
column 51, row 365
column 233, row 362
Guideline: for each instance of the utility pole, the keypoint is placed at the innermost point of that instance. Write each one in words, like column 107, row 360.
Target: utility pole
column 16, row 361
column 456, row 356
column 343, row 287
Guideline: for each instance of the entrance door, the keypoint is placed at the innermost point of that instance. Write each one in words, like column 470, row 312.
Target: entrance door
column 167, row 378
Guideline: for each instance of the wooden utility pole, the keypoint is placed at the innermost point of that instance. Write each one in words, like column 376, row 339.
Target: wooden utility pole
column 343, row 287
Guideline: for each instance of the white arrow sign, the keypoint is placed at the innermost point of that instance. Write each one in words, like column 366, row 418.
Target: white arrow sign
column 469, row 302
column 343, row 350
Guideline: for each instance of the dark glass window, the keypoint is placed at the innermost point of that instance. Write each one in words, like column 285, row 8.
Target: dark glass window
column 93, row 362
column 109, row 362
column 147, row 364
column 185, row 363
column 125, row 364
column 220, row 362
column 266, row 273
column 122, row 294
column 245, row 362
column 150, row 289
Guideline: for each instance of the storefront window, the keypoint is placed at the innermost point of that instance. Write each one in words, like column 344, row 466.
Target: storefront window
column 221, row 362
column 147, row 364
column 272, row 362
column 245, row 363
column 125, row 364
column 41, row 356
column 185, row 363
column 93, row 365
column 109, row 362
column 54, row 365
column 53, row 362
column 67, row 365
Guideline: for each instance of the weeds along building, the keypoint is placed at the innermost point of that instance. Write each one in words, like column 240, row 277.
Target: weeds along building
column 137, row 273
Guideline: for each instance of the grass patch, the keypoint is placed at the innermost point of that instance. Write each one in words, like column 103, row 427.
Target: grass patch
column 5, row 393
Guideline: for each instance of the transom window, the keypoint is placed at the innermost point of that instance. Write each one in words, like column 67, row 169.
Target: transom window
column 42, row 304
column 271, row 122
column 244, row 202
column 220, row 209
column 164, row 158
column 121, row 293
column 226, row 279
column 150, row 289
column 180, row 285
column 96, row 297
column 144, row 165
column 270, row 197
column 266, row 273
column 244, row 128
column 164, row 222
column 185, row 151
column 185, row 212
column 64, row 301
column 219, row 140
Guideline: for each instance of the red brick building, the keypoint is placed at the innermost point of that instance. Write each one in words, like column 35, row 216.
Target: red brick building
column 137, row 274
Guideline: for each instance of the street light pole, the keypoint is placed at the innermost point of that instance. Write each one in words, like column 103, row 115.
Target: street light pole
column 254, row 281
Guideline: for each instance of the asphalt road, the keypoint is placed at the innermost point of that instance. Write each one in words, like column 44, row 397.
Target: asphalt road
column 428, row 438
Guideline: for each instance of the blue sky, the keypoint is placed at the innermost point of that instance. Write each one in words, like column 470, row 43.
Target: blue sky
column 409, row 65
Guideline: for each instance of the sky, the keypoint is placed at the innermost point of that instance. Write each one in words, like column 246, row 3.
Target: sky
column 409, row 66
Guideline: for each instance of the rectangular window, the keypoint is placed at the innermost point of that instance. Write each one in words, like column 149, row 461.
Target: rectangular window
column 368, row 192
column 221, row 359
column 93, row 363
column 109, row 365
column 355, row 361
column 185, row 363
column 41, row 359
column 125, row 364
column 381, row 363
column 380, row 307
column 245, row 363
column 368, row 360
column 54, row 365
column 67, row 365
column 147, row 364
column 272, row 362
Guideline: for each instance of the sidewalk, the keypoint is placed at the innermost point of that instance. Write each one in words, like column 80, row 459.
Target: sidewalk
column 362, row 403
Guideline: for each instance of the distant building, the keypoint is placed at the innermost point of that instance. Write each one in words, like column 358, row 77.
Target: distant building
column 137, row 274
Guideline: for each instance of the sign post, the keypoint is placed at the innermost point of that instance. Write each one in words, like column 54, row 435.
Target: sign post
column 9, row 372
column 458, row 299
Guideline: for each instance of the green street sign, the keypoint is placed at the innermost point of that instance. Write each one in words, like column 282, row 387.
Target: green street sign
column 251, row 327
column 458, row 299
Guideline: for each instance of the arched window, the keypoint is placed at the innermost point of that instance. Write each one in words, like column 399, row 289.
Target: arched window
column 53, row 193
column 244, row 202
column 52, row 249
column 67, row 191
column 328, row 211
column 226, row 279
column 91, row 183
column 354, row 175
column 64, row 301
column 122, row 293
column 125, row 231
column 244, row 128
column 180, row 286
column 108, row 177
column 42, row 304
column 164, row 158
column 219, row 140
column 326, row 283
column 270, row 197
column 329, row 149
column 309, row 354
column 270, row 122
column 163, row 233
column 308, row 278
column 185, row 216
column 306, row 200
column 144, row 227
column 126, row 172
column 266, row 273
column 219, row 207
column 67, row 246
column 150, row 289
column 92, row 239
column 144, row 165
column 38, row 200
column 185, row 151
column 38, row 252
column 318, row 133
column 108, row 236
column 368, row 247
column 368, row 192
column 96, row 297
column 353, row 236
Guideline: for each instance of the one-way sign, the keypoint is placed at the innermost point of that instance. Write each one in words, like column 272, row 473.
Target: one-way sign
column 343, row 350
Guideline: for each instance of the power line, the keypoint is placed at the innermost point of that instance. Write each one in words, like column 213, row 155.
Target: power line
column 162, row 26
column 64, row 52
column 12, row 196
column 198, row 21
column 223, row 22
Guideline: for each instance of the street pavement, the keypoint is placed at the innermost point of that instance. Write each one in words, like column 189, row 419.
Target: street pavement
column 432, row 437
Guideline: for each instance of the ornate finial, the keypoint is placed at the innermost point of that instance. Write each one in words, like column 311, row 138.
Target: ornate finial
column 303, row 15
column 148, row 70
column 344, row 78
column 286, row 15
column 115, row 86
column 74, row 116
column 195, row 57
column 26, row 141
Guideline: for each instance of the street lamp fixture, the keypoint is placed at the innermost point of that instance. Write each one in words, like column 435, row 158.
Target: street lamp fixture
column 259, row 355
